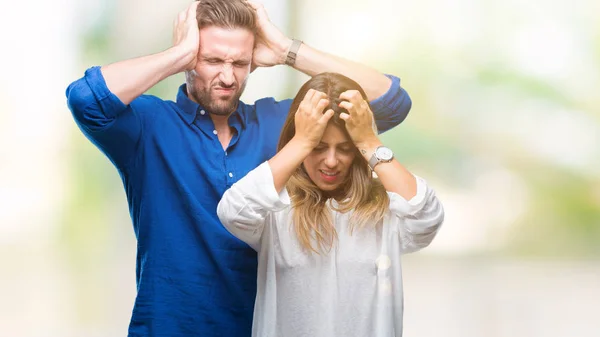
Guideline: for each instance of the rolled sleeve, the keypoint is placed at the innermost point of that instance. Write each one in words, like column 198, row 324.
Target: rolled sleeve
column 91, row 102
column 391, row 108
column 110, row 104
column 111, row 125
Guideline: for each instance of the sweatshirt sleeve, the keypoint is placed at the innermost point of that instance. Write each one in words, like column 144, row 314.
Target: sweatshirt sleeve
column 244, row 207
column 419, row 218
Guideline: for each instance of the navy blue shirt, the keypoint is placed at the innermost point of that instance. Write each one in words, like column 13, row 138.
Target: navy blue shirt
column 193, row 277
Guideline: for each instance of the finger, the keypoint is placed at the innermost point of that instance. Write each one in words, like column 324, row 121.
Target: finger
column 321, row 104
column 344, row 116
column 259, row 8
column 174, row 35
column 317, row 97
column 346, row 105
column 181, row 16
column 193, row 9
column 176, row 26
column 353, row 96
column 309, row 95
column 253, row 4
column 326, row 116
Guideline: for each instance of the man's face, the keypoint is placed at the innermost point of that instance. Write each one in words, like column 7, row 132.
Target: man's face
column 222, row 68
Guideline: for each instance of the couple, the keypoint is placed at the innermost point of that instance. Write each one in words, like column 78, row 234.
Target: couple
column 328, row 235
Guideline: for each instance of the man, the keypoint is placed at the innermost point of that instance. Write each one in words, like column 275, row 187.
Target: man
column 176, row 159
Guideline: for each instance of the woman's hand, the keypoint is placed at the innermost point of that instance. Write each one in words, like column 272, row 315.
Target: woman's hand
column 359, row 121
column 310, row 120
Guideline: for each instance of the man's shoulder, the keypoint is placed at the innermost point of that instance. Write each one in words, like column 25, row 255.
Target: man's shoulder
column 152, row 102
column 154, row 109
column 265, row 111
column 267, row 104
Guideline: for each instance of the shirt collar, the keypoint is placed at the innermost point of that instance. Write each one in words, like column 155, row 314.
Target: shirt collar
column 190, row 110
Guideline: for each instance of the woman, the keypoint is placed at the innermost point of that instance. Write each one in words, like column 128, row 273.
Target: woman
column 329, row 234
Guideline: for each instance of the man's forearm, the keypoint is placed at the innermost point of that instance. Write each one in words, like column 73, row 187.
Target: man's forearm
column 129, row 79
column 312, row 61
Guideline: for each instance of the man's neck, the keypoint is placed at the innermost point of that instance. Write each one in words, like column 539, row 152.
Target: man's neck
column 224, row 132
column 221, row 122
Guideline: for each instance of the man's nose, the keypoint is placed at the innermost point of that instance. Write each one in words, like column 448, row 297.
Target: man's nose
column 226, row 75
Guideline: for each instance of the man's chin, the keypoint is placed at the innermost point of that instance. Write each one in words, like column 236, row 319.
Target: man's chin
column 222, row 108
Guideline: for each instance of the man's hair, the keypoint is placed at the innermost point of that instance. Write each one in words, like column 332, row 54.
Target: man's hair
column 360, row 192
column 228, row 14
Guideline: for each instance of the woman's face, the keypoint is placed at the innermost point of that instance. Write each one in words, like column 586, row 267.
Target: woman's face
column 329, row 162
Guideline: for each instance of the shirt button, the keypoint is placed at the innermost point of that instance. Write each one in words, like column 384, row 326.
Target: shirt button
column 230, row 175
column 202, row 112
column 215, row 132
column 383, row 262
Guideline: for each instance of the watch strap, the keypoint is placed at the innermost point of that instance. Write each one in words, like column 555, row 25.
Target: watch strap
column 290, row 59
column 373, row 161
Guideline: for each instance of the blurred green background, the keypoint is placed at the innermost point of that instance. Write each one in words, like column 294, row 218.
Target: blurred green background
column 505, row 125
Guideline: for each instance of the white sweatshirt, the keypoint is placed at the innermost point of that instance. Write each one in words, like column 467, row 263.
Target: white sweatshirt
column 353, row 290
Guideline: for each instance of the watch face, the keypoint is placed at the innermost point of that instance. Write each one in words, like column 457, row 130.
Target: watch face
column 383, row 153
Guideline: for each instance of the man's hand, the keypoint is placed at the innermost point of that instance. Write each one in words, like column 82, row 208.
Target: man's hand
column 271, row 45
column 186, row 35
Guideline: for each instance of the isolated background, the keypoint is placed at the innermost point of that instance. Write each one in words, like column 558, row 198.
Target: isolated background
column 505, row 125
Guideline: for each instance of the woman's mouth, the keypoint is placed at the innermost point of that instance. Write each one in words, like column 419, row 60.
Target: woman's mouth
column 329, row 176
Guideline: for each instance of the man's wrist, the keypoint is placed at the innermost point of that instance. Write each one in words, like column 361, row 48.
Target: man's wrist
column 181, row 59
column 292, row 52
column 282, row 49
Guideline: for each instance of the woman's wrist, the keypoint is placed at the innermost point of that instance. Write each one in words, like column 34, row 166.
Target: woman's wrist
column 304, row 146
column 368, row 147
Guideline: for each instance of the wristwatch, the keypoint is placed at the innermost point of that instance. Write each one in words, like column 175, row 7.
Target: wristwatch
column 290, row 59
column 382, row 154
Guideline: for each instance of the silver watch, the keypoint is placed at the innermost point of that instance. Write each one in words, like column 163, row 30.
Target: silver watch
column 382, row 154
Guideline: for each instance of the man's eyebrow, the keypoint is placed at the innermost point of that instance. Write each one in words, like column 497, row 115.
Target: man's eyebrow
column 212, row 57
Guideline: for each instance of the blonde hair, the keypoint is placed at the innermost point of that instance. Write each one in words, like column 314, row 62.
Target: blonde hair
column 226, row 14
column 361, row 193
